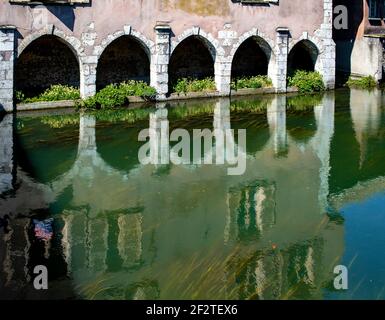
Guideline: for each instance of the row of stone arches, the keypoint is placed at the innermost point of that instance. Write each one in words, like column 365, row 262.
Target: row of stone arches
column 51, row 59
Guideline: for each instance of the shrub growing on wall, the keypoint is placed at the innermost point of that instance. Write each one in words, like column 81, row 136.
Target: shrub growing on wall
column 307, row 81
column 362, row 83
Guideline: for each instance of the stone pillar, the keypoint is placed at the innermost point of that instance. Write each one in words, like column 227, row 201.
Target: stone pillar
column 88, row 65
column 279, row 77
column 276, row 115
column 223, row 74
column 6, row 154
column 160, row 60
column 7, row 58
column 328, row 56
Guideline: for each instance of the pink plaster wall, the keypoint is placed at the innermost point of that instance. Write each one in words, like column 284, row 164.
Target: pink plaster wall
column 111, row 15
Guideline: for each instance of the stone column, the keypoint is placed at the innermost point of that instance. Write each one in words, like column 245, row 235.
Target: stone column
column 328, row 57
column 7, row 58
column 6, row 154
column 88, row 66
column 279, row 77
column 223, row 75
column 160, row 60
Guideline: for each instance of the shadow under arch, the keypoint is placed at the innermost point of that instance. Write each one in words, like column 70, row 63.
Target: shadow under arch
column 125, row 58
column 45, row 61
column 251, row 58
column 193, row 57
column 303, row 56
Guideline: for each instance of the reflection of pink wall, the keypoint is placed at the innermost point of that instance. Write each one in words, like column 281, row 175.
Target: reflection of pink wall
column 110, row 16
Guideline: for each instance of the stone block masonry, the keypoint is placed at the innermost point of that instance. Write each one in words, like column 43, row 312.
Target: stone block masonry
column 7, row 59
column 123, row 48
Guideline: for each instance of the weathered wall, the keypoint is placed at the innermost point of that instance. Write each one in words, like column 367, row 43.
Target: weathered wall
column 359, row 50
column 110, row 16
column 222, row 25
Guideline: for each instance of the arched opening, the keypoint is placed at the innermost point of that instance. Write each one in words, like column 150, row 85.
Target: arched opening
column 303, row 56
column 124, row 59
column 191, row 59
column 251, row 59
column 46, row 61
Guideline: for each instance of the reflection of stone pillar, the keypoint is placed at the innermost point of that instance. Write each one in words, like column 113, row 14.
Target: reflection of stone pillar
column 324, row 115
column 6, row 153
column 98, row 243
column 75, row 240
column 16, row 261
column 222, row 114
column 160, row 60
column 276, row 116
column 159, row 137
column 7, row 58
column 279, row 77
column 130, row 238
column 87, row 136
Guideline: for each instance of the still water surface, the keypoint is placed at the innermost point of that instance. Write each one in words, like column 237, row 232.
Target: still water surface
column 107, row 227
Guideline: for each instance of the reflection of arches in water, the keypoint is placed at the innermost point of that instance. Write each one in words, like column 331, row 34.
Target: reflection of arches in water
column 46, row 61
column 35, row 155
column 251, row 211
column 301, row 127
column 126, row 58
column 121, row 154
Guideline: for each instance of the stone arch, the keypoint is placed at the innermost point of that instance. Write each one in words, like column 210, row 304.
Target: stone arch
column 266, row 46
column 147, row 44
column 194, row 54
column 123, row 55
column 251, row 58
column 304, row 54
column 72, row 42
column 210, row 42
column 48, row 57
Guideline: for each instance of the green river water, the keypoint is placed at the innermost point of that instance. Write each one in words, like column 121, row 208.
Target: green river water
column 312, row 197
